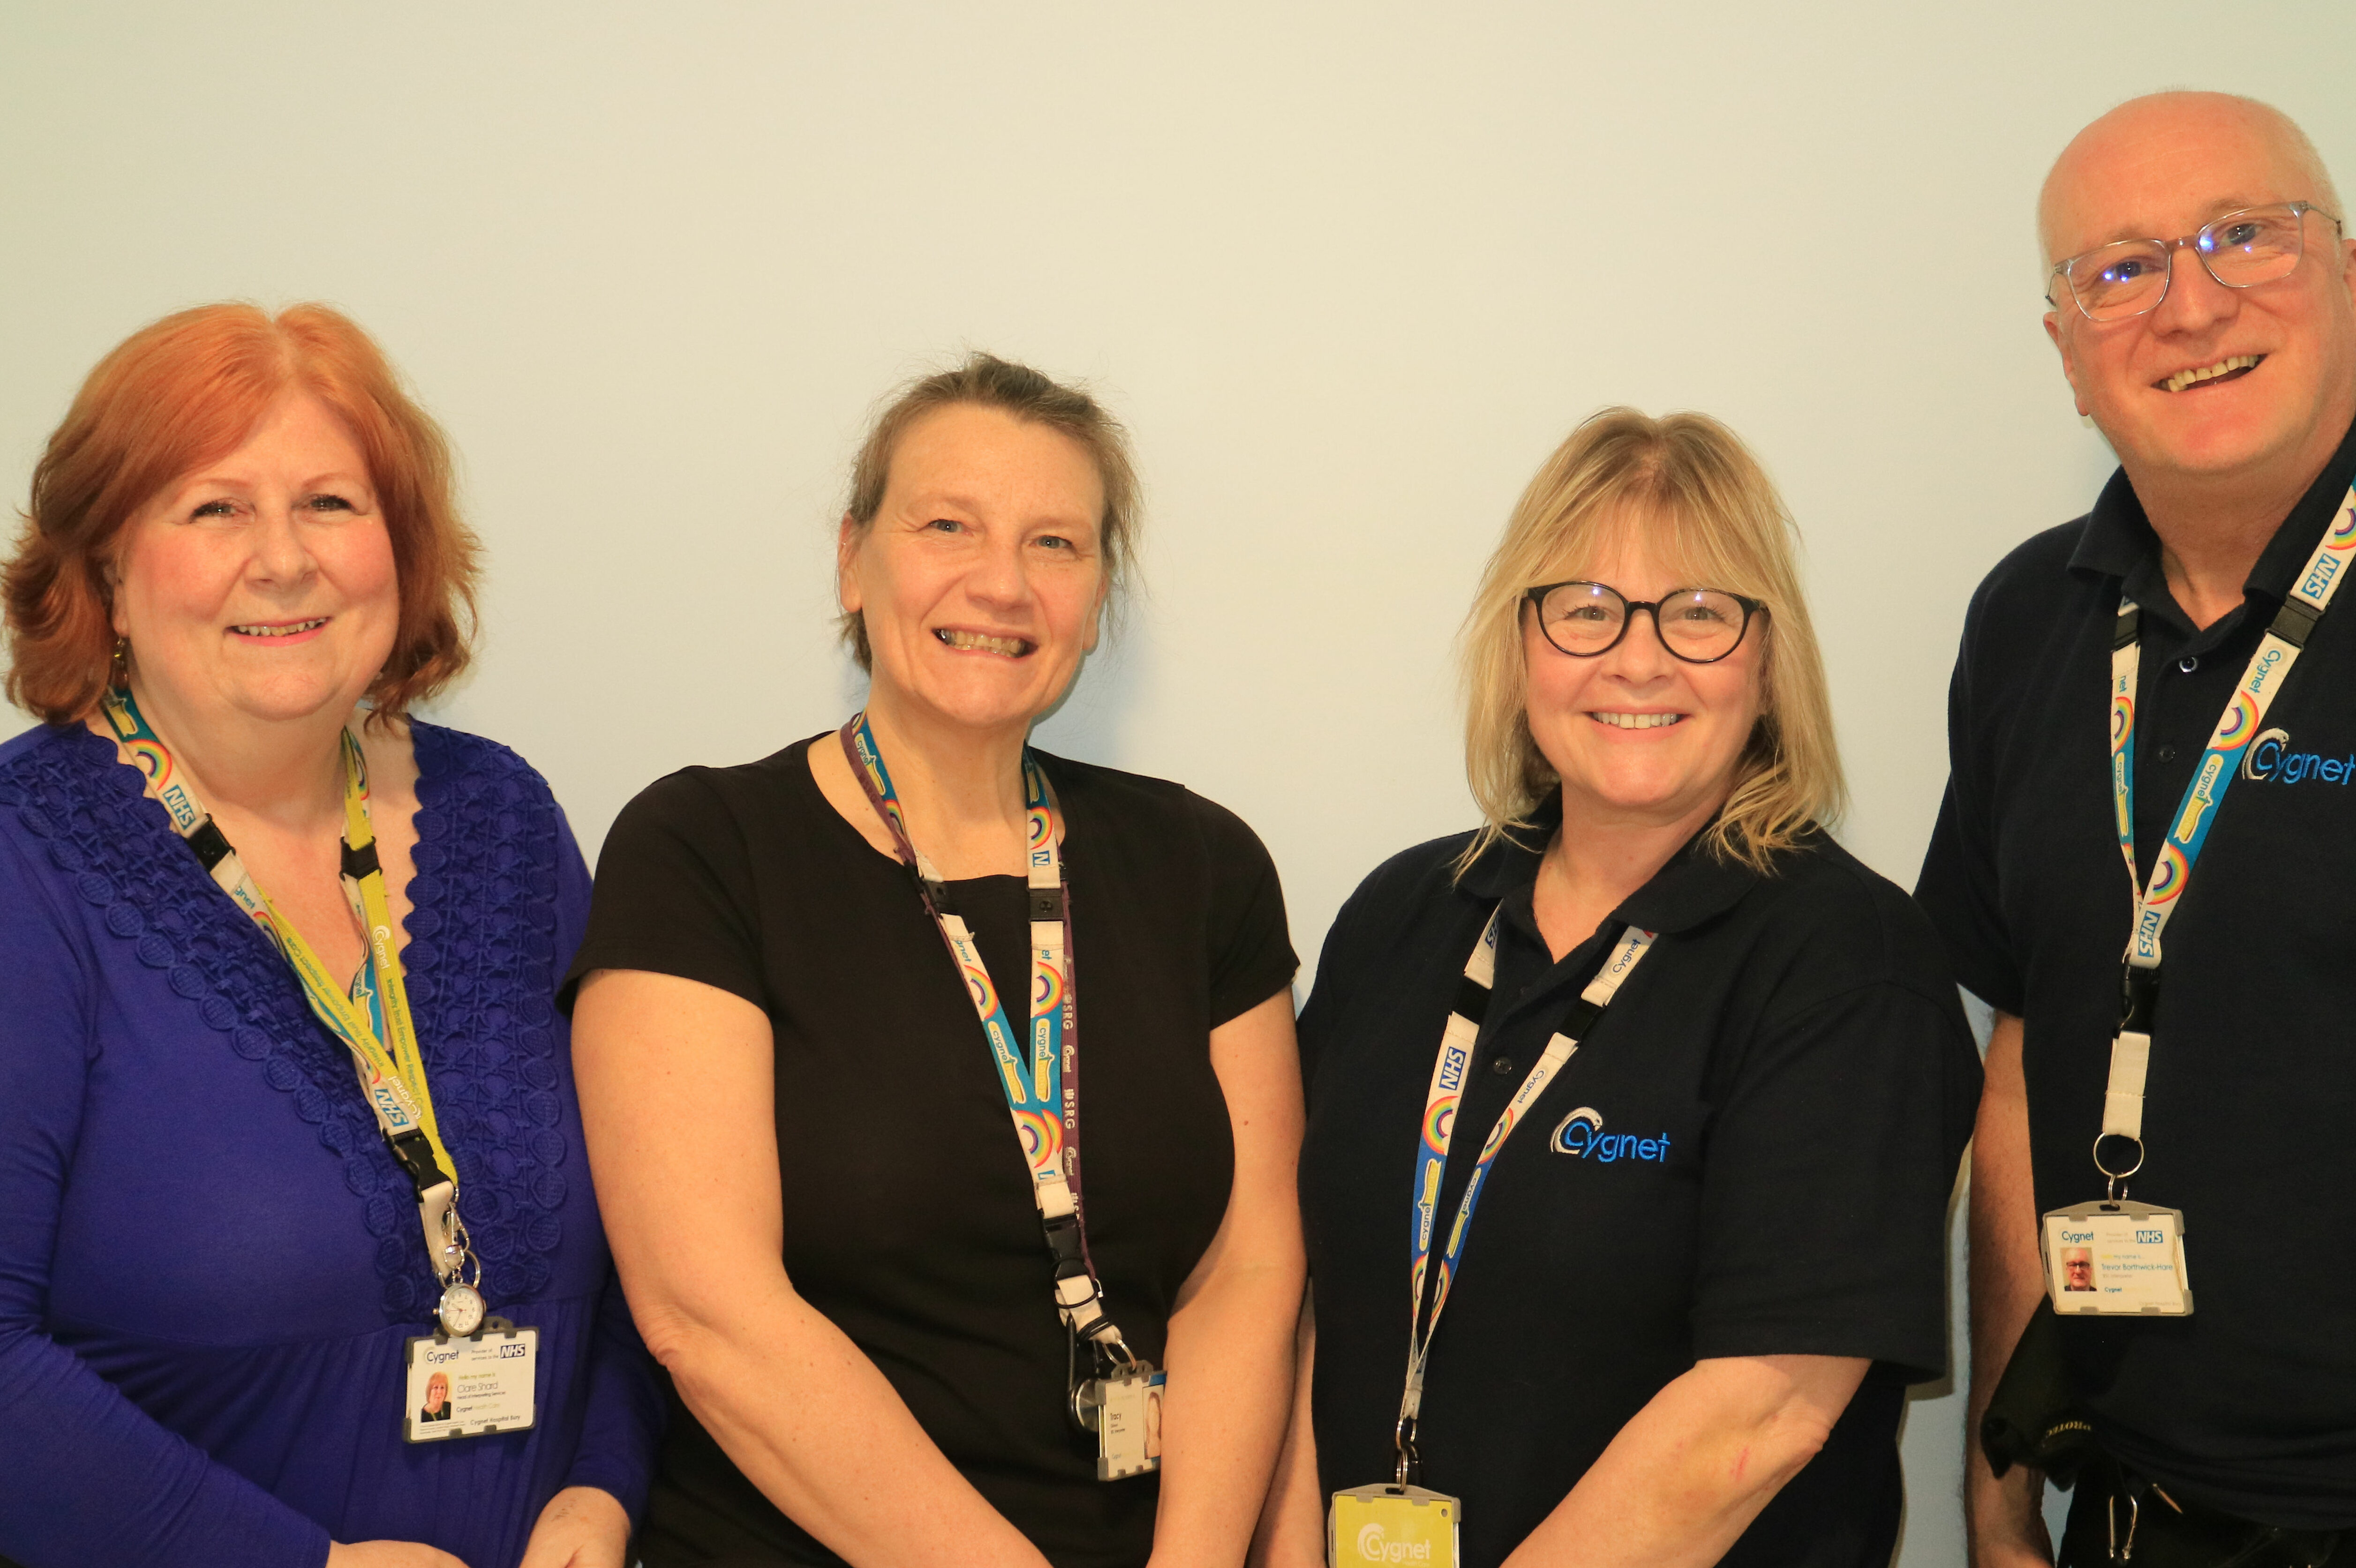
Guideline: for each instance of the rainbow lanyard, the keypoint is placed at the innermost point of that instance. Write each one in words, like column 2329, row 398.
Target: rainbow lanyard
column 2262, row 681
column 372, row 1016
column 1457, row 1042
column 1041, row 1079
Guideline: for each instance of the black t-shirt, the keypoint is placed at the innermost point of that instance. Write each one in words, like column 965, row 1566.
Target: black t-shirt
column 2248, row 1405
column 1792, row 1067
column 909, row 1221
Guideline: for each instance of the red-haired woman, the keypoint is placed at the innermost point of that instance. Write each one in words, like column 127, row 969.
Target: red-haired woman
column 268, row 1175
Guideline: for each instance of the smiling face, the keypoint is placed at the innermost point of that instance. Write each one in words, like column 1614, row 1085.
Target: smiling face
column 437, row 1392
column 980, row 579
column 261, row 587
column 2215, row 382
column 1639, row 736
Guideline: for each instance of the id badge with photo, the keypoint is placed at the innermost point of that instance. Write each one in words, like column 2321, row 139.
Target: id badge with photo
column 1392, row 1526
column 1125, row 1413
column 467, row 1387
column 2124, row 1258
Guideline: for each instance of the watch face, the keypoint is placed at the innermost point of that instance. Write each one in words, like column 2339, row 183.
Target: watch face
column 462, row 1311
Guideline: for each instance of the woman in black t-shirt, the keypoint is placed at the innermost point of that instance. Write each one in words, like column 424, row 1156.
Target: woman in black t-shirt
column 840, row 1180
column 1708, row 1254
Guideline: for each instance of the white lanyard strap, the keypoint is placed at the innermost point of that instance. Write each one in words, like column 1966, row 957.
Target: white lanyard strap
column 1458, row 1040
column 2187, row 833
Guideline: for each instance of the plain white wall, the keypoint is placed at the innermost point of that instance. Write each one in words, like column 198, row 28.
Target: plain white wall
column 1349, row 271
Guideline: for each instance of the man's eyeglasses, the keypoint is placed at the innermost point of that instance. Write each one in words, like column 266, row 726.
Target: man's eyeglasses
column 2241, row 249
column 1700, row 625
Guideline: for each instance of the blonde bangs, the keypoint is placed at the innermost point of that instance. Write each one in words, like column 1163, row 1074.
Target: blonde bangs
column 1699, row 501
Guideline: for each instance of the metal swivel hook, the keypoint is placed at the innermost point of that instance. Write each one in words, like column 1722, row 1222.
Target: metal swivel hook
column 1410, row 1462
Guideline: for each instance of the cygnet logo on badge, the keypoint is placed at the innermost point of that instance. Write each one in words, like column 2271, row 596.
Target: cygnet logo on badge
column 1581, row 1134
column 2270, row 758
column 1374, row 1548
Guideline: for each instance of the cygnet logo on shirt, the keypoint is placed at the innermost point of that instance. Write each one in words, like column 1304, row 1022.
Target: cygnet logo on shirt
column 1374, row 1548
column 2271, row 758
column 1581, row 1134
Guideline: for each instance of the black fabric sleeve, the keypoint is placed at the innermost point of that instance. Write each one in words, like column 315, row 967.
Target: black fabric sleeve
column 1339, row 962
column 1251, row 952
column 1824, row 1187
column 674, row 894
column 1367, row 926
column 1958, row 887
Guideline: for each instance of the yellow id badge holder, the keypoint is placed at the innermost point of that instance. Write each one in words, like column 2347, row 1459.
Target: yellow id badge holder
column 471, row 1387
column 2119, row 1258
column 1401, row 1527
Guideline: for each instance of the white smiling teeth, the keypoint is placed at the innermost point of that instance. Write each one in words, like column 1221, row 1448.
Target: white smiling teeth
column 2184, row 379
column 279, row 631
column 1012, row 647
column 1637, row 720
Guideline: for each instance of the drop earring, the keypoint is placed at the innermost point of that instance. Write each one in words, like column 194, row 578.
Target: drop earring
column 119, row 677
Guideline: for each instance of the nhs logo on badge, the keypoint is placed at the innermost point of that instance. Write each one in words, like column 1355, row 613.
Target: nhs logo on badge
column 1581, row 1134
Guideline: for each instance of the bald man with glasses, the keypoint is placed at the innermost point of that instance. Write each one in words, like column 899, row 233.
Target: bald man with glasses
column 2162, row 913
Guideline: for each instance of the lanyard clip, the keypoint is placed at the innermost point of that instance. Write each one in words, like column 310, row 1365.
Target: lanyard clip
column 415, row 1157
column 361, row 864
column 1063, row 1233
column 935, row 894
column 2139, row 999
column 212, row 846
column 1410, row 1471
column 2295, row 622
column 2122, row 1551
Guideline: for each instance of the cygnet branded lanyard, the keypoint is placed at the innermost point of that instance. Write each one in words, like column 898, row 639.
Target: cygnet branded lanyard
column 371, row 1018
column 1458, row 1042
column 1040, row 1077
column 2187, row 831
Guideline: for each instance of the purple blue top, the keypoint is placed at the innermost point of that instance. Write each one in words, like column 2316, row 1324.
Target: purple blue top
column 209, row 1263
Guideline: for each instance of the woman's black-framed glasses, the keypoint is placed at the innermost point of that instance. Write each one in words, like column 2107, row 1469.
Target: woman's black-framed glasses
column 1700, row 625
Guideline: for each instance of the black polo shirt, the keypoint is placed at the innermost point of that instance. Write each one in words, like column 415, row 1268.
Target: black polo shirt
column 1792, row 1065
column 2250, row 1403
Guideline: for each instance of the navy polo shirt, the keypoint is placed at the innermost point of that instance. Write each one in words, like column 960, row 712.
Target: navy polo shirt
column 2248, row 1405
column 1750, row 1154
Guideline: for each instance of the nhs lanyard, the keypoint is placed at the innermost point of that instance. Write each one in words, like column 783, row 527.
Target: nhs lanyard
column 1457, row 1042
column 372, row 1016
column 1040, row 1074
column 2187, row 831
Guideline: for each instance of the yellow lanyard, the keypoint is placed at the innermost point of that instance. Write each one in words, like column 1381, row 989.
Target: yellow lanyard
column 372, row 1016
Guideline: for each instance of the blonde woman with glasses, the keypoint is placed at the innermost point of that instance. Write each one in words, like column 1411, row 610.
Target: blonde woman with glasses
column 1700, row 1076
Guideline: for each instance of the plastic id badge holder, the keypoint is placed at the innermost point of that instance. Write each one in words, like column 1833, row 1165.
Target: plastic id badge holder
column 471, row 1387
column 2117, row 1258
column 1125, row 1413
column 1394, row 1526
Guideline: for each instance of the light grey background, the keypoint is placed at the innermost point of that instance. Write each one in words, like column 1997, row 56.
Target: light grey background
column 1349, row 270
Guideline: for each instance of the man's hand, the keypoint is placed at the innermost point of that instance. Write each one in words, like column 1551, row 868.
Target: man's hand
column 2005, row 1516
column 388, row 1554
column 581, row 1527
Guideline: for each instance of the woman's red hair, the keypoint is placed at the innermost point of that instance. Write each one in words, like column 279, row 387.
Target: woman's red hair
column 182, row 393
